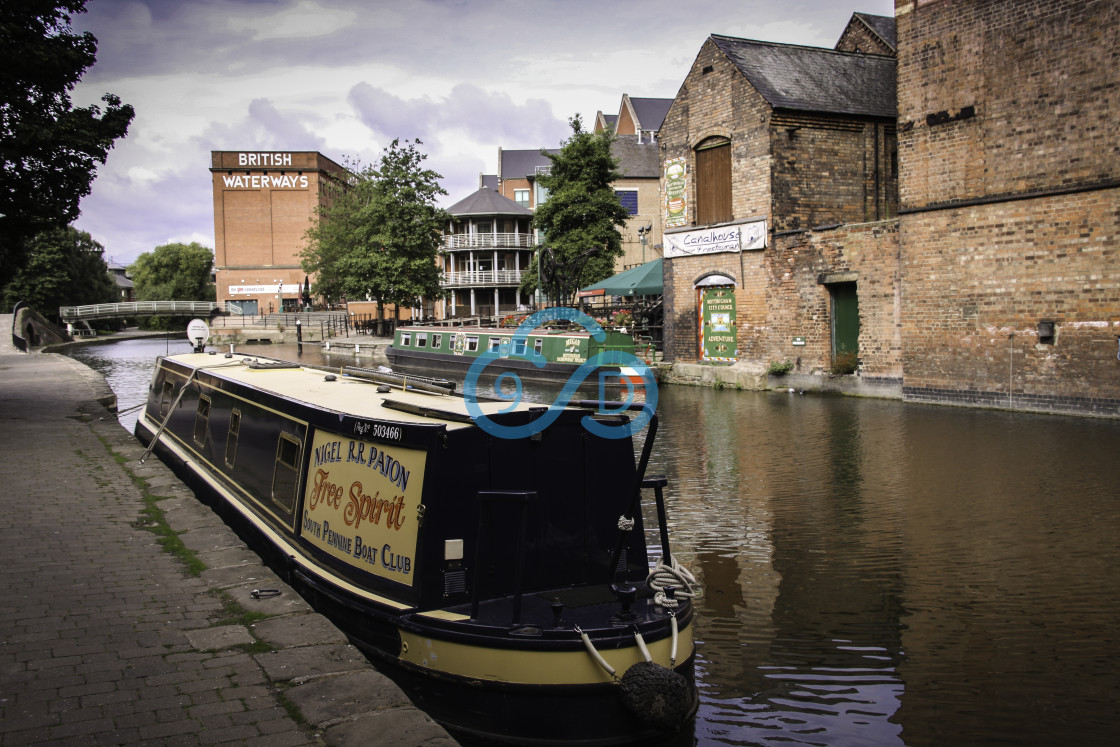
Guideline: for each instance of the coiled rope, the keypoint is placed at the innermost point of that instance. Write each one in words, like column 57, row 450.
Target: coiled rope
column 678, row 577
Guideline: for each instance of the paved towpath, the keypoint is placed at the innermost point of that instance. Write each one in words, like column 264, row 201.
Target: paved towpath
column 107, row 638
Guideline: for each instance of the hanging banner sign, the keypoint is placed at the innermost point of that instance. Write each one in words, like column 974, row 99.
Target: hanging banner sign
column 718, row 331
column 676, row 193
column 742, row 237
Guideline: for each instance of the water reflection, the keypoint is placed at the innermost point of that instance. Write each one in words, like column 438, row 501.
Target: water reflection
column 882, row 573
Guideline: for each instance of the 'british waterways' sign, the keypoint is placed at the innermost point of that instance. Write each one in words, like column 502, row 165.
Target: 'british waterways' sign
column 362, row 504
column 737, row 238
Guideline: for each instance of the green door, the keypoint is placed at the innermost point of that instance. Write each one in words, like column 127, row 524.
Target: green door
column 845, row 318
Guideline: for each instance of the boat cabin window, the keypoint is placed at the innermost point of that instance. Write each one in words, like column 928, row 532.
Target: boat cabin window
column 231, row 437
column 437, row 342
column 406, row 339
column 165, row 398
column 421, row 339
column 519, row 346
column 285, row 472
column 202, row 420
column 472, row 343
column 538, row 345
column 495, row 343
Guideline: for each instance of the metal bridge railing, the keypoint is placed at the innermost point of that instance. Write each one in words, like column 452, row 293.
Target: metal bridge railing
column 136, row 308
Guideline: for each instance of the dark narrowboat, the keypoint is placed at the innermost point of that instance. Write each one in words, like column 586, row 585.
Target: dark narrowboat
column 504, row 582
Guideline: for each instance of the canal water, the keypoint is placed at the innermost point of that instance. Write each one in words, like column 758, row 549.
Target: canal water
column 875, row 572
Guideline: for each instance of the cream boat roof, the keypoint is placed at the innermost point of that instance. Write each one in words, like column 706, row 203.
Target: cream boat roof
column 346, row 394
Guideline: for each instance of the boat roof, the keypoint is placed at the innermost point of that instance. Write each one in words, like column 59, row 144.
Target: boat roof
column 345, row 394
column 510, row 331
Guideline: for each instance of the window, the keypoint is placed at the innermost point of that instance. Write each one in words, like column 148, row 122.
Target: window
column 421, row 339
column 713, row 181
column 519, row 346
column 201, row 420
column 285, row 472
column 495, row 343
column 406, row 339
column 629, row 200
column 472, row 343
column 231, row 437
column 538, row 345
column 521, row 197
column 437, row 342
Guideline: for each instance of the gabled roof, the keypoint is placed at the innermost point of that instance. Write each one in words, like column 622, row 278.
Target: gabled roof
column 636, row 159
column 487, row 202
column 814, row 79
column 518, row 164
column 650, row 113
column 883, row 27
column 605, row 121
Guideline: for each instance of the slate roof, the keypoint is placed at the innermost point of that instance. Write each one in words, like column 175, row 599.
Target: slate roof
column 883, row 26
column 487, row 202
column 813, row 79
column 636, row 159
column 518, row 164
column 651, row 112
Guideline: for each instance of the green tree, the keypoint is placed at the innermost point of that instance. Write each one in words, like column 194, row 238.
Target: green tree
column 174, row 272
column 581, row 216
column 49, row 150
column 65, row 267
column 379, row 239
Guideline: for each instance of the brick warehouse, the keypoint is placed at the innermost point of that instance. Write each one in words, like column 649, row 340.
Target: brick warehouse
column 777, row 141
column 1000, row 271
column 1009, row 202
column 263, row 205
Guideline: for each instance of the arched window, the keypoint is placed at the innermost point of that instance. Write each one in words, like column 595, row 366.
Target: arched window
column 713, row 181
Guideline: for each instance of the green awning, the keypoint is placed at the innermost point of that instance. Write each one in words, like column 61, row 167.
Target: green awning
column 644, row 280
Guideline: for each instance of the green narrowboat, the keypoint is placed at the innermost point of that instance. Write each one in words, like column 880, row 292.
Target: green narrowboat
column 545, row 355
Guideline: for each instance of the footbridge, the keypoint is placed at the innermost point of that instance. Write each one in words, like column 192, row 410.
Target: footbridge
column 132, row 309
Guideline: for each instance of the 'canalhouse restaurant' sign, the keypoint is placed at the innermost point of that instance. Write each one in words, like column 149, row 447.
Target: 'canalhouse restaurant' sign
column 735, row 238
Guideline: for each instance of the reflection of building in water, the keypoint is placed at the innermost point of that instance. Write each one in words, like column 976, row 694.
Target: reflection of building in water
column 800, row 622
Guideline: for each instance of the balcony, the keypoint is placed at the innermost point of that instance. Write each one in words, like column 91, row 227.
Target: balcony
column 488, row 241
column 482, row 279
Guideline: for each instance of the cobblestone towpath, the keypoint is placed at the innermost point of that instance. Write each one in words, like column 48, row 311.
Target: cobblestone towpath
column 128, row 614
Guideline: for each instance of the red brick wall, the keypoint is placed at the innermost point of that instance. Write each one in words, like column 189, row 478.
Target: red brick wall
column 830, row 170
column 1010, row 171
column 799, row 302
column 1040, row 77
column 977, row 282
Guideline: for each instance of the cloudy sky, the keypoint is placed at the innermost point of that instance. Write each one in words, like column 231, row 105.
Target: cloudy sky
column 345, row 77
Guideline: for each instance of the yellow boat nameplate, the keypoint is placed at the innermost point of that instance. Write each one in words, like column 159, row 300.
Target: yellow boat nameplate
column 362, row 504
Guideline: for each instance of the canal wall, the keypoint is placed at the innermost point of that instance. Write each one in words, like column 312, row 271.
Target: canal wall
column 141, row 616
column 754, row 376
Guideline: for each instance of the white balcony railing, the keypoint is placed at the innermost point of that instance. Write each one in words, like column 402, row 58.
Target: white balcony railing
column 488, row 241
column 482, row 278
